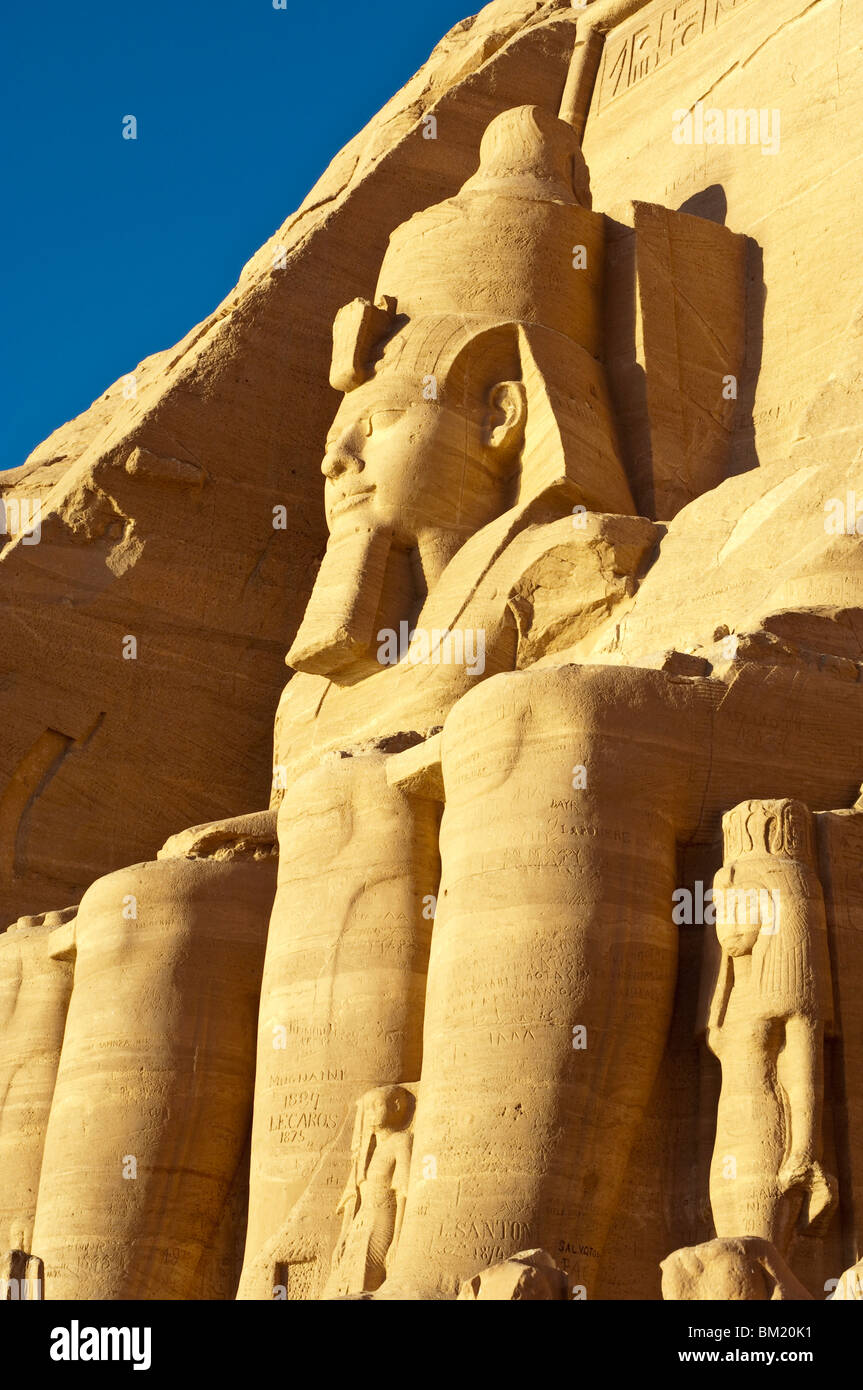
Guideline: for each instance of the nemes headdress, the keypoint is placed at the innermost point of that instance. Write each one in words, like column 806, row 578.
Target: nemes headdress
column 515, row 257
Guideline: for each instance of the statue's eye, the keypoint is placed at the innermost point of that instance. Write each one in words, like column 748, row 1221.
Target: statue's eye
column 383, row 420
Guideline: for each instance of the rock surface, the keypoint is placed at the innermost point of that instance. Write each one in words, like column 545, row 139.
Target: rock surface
column 158, row 509
column 550, row 922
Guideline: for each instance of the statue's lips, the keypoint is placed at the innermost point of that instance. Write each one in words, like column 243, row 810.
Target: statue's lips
column 347, row 500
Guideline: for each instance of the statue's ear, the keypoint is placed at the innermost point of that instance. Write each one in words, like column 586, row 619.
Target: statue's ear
column 505, row 420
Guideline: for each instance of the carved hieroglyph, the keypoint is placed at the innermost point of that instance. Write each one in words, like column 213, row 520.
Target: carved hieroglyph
column 566, row 627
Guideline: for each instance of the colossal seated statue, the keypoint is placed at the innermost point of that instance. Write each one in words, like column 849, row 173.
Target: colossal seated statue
column 488, row 767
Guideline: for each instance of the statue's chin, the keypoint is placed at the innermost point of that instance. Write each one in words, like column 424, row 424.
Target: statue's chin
column 740, row 945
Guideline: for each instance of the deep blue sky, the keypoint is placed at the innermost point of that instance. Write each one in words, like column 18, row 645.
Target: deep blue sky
column 112, row 248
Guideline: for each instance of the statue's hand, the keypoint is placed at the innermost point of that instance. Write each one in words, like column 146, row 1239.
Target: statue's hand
column 820, row 1189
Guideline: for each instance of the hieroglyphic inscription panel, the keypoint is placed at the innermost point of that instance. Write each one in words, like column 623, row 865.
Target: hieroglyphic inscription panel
column 653, row 37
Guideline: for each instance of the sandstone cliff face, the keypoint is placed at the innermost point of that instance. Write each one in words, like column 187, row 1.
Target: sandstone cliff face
column 157, row 509
column 701, row 661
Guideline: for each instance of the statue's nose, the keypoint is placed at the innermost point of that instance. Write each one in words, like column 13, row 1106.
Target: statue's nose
column 340, row 460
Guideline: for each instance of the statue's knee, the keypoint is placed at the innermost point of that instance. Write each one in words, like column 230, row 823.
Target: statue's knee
column 627, row 740
column 590, row 698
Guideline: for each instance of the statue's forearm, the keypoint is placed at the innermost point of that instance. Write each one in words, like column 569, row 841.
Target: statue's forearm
column 800, row 1071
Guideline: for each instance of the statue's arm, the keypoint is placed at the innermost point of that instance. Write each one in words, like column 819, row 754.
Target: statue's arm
column 401, row 1174
column 799, row 1068
column 801, row 1075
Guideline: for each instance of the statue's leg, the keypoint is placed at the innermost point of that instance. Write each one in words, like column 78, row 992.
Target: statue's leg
column 153, row 1095
column 34, row 996
column 341, row 1003
column 553, row 964
column 751, row 1129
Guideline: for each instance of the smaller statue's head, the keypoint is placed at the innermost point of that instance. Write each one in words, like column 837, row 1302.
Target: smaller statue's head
column 389, row 1107
column 741, row 908
column 431, row 446
column 769, row 871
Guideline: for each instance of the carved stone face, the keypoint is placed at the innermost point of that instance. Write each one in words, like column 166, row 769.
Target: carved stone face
column 389, row 1107
column 735, row 939
column 739, row 899
column 398, row 461
column 377, row 1110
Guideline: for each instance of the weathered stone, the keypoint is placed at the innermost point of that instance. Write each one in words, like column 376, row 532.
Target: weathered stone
column 591, row 595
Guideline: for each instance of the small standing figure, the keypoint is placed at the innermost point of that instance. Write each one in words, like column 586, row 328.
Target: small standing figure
column 373, row 1202
column 771, row 1003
